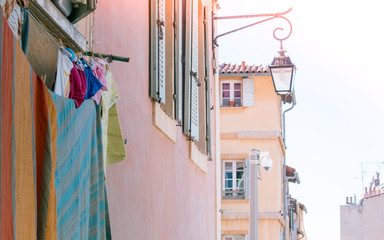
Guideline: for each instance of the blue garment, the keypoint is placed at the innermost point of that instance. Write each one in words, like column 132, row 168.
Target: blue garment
column 93, row 84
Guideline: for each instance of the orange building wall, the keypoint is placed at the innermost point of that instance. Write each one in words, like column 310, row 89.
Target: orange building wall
column 243, row 128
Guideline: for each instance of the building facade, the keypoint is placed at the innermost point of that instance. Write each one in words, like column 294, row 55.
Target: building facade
column 363, row 219
column 165, row 187
column 295, row 209
column 250, row 117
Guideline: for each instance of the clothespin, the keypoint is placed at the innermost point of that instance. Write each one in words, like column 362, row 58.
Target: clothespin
column 109, row 59
column 61, row 43
column 93, row 56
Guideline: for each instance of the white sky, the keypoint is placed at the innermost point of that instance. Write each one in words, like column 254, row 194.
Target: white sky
column 338, row 48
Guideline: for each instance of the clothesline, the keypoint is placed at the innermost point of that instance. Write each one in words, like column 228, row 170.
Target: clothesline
column 110, row 57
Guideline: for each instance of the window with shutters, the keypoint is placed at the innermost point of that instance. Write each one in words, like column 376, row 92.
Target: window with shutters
column 237, row 93
column 192, row 81
column 166, row 68
column 162, row 53
column 234, row 179
column 179, row 67
column 196, row 121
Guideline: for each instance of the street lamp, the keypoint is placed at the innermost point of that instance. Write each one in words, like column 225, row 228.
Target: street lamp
column 282, row 69
column 256, row 157
column 283, row 73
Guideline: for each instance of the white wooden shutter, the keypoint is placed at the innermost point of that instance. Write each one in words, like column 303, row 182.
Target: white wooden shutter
column 157, row 75
column 248, row 92
column 191, row 109
column 178, row 60
column 207, row 84
column 247, row 174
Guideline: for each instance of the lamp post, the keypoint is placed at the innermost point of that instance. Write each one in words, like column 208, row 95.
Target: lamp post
column 255, row 155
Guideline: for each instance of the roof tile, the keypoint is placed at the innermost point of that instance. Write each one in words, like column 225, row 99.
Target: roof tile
column 229, row 68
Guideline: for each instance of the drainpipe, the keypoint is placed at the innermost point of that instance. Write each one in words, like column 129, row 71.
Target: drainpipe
column 285, row 181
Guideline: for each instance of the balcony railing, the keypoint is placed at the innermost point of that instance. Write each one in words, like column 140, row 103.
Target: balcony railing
column 233, row 194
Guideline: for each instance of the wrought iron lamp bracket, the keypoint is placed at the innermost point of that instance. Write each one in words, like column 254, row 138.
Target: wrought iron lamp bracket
column 270, row 16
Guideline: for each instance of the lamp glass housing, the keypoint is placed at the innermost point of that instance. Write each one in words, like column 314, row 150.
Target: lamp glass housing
column 283, row 77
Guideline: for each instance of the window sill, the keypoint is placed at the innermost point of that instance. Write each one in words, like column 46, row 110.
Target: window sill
column 224, row 201
column 232, row 108
column 163, row 122
column 47, row 13
column 197, row 157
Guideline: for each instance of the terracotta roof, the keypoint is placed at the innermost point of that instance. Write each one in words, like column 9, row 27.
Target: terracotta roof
column 238, row 68
column 292, row 174
column 290, row 171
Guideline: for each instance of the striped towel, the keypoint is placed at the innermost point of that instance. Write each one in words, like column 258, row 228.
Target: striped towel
column 79, row 174
column 18, row 176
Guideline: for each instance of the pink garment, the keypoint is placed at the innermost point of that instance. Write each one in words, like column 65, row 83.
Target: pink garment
column 78, row 85
column 98, row 69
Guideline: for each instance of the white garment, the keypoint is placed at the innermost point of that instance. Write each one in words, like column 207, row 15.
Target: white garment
column 64, row 67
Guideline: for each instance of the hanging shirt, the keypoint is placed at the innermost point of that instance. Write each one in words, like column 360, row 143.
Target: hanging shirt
column 93, row 84
column 78, row 85
column 64, row 67
column 113, row 142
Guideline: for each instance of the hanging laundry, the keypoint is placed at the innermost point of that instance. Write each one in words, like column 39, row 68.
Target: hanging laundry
column 64, row 67
column 113, row 143
column 51, row 166
column 98, row 69
column 78, row 85
column 82, row 210
column 93, row 84
column 19, row 97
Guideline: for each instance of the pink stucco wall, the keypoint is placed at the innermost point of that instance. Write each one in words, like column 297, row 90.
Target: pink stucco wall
column 157, row 192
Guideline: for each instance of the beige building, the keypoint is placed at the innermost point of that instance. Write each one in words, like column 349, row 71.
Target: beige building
column 364, row 220
column 296, row 210
column 250, row 117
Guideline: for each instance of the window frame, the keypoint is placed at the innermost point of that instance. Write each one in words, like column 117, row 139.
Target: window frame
column 234, row 180
column 232, row 90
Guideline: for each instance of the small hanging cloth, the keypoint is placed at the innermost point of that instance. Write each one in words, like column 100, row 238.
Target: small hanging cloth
column 93, row 84
column 78, row 85
column 98, row 69
column 64, row 67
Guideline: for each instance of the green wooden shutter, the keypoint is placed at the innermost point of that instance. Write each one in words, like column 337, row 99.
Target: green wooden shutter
column 157, row 61
column 178, row 61
column 191, row 107
column 207, row 84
